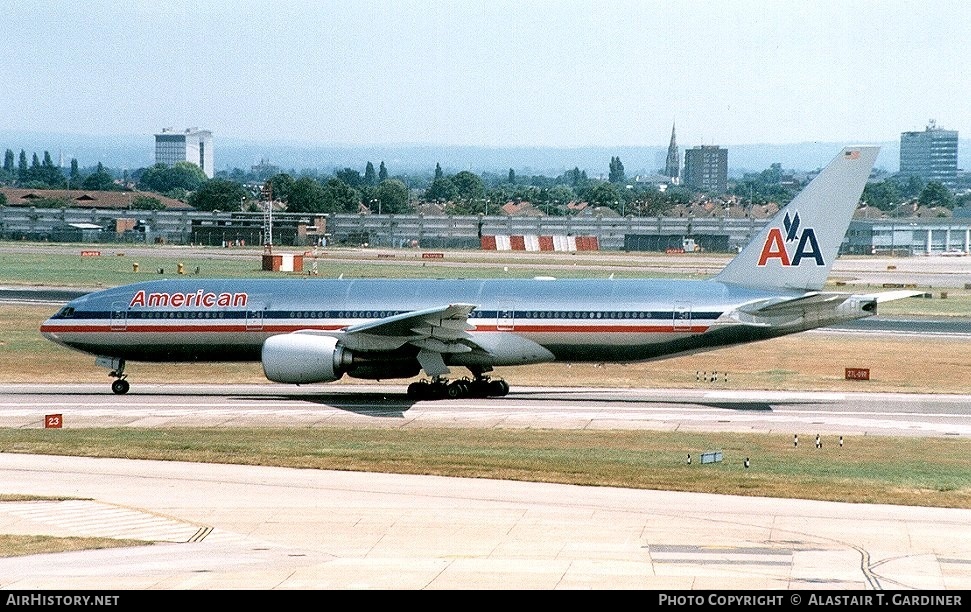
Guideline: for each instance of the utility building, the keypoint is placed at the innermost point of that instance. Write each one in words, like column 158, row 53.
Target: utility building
column 706, row 168
column 931, row 155
column 192, row 145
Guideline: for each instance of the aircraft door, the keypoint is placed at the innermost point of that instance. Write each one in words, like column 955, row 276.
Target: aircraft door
column 119, row 316
column 505, row 317
column 682, row 317
column 254, row 319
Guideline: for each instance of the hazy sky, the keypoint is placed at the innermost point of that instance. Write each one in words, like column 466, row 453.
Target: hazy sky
column 495, row 73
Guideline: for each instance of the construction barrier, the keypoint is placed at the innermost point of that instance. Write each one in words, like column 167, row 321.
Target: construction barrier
column 530, row 242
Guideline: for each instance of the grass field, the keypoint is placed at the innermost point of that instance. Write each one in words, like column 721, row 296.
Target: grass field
column 911, row 471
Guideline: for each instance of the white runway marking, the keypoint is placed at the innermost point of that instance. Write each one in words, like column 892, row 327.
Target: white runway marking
column 83, row 518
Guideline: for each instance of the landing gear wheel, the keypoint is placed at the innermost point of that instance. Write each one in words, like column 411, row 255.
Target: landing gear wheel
column 498, row 388
column 418, row 390
column 120, row 386
column 455, row 390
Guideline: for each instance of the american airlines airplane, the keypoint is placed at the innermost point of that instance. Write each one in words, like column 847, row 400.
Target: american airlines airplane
column 309, row 330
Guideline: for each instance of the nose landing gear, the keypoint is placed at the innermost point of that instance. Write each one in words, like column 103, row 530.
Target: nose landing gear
column 117, row 366
column 120, row 386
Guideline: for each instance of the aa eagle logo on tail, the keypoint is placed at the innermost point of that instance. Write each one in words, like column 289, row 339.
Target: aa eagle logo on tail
column 775, row 244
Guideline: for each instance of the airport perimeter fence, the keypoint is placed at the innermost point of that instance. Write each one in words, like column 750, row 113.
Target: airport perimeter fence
column 386, row 231
column 190, row 227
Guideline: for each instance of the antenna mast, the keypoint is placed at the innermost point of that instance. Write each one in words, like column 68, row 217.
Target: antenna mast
column 266, row 194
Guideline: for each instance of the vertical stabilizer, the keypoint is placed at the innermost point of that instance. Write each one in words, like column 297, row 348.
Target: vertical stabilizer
column 796, row 249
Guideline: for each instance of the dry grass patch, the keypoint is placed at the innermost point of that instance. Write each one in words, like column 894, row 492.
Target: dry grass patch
column 21, row 545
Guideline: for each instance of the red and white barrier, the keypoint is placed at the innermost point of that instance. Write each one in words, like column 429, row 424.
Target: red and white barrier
column 531, row 242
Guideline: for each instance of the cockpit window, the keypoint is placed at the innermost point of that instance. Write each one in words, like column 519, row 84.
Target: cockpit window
column 66, row 313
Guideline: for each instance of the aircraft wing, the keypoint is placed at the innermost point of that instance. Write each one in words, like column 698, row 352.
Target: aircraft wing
column 434, row 331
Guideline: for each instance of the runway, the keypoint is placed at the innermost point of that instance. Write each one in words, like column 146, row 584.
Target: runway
column 709, row 407
column 245, row 527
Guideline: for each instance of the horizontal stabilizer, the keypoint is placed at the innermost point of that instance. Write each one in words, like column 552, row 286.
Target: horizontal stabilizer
column 889, row 296
column 782, row 305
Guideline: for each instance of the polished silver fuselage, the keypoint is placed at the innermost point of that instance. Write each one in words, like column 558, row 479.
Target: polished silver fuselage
column 189, row 320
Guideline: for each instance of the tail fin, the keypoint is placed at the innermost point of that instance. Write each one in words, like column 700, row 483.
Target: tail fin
column 796, row 249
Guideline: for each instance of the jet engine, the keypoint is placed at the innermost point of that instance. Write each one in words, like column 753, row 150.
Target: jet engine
column 304, row 358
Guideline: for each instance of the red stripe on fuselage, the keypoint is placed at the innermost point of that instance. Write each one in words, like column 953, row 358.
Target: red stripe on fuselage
column 242, row 327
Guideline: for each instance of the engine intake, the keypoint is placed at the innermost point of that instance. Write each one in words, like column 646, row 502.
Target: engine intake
column 304, row 358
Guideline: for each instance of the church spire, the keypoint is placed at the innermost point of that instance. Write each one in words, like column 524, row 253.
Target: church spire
column 672, row 166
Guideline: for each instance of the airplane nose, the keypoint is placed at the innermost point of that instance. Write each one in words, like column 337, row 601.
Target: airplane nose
column 47, row 330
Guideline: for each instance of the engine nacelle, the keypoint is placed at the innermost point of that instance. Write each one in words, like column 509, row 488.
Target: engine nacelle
column 303, row 358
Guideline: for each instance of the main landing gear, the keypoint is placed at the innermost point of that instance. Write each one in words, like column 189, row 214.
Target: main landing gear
column 440, row 388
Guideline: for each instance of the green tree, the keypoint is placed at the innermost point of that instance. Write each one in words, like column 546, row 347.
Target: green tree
column 22, row 167
column 278, row 187
column 606, row 194
column 560, row 196
column 165, row 179
column 576, row 178
column 616, row 174
column 882, row 195
column 512, row 177
column 8, row 161
column 340, row 197
column 307, row 196
column 351, row 177
column 442, row 189
column 74, row 178
column 382, row 173
column 910, row 187
column 468, row 185
column 218, row 194
column 392, row 196
column 99, row 180
column 370, row 176
column 42, row 175
column 936, row 194
column 438, row 171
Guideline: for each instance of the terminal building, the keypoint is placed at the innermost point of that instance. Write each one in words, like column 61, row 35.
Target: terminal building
column 192, row 145
column 931, row 155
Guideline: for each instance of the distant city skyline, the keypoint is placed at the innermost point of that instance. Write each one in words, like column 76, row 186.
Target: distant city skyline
column 571, row 73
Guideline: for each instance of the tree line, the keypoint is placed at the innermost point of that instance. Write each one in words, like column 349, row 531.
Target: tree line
column 347, row 190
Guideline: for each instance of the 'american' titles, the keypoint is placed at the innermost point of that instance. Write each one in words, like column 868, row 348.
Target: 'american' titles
column 201, row 298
